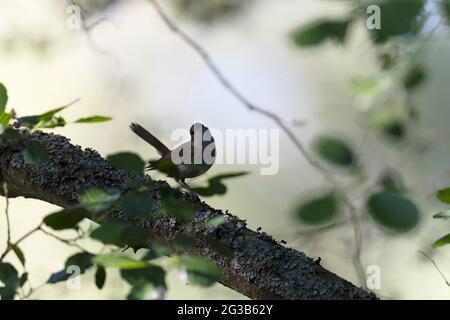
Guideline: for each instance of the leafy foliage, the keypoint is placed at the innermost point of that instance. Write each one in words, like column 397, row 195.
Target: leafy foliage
column 334, row 151
column 3, row 98
column 444, row 195
column 399, row 18
column 127, row 161
column 10, row 279
column 66, row 219
column 137, row 203
column 198, row 271
column 93, row 119
column 35, row 153
column 81, row 260
column 393, row 211
column 97, row 200
column 216, row 186
column 320, row 31
column 441, row 241
column 118, row 233
column 319, row 210
column 175, row 205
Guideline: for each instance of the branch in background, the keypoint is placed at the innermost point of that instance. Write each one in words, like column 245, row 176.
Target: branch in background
column 326, row 174
column 258, row 267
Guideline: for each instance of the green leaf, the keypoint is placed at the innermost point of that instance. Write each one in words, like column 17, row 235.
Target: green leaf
column 174, row 205
column 66, row 219
column 393, row 211
column 10, row 279
column 94, row 119
column 127, row 161
column 35, row 153
column 444, row 195
column 393, row 128
column 45, row 120
column 146, row 291
column 119, row 261
column 158, row 250
column 184, row 241
column 441, row 241
column 82, row 260
column 215, row 185
column 3, row 98
column 137, row 203
column 18, row 252
column 414, row 77
column 165, row 166
column 100, row 277
column 23, row 279
column 4, row 120
column 198, row 270
column 364, row 85
column 319, row 210
column 219, row 248
column 149, row 275
column 320, row 31
column 398, row 18
column 11, row 134
column 120, row 234
column 442, row 215
column 96, row 200
column 334, row 151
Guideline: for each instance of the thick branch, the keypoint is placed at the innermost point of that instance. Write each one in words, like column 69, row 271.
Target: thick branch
column 259, row 266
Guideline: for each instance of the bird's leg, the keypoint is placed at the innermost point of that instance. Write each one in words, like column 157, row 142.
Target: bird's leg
column 192, row 194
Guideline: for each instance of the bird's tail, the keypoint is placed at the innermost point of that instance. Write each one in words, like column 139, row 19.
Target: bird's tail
column 149, row 138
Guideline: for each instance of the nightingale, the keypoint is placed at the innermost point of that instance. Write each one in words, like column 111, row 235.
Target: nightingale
column 192, row 158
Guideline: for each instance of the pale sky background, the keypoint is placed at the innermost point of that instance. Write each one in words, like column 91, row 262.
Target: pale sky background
column 148, row 75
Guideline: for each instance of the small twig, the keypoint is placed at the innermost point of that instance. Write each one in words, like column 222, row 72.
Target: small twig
column 33, row 290
column 8, row 222
column 204, row 55
column 436, row 267
column 69, row 242
column 9, row 248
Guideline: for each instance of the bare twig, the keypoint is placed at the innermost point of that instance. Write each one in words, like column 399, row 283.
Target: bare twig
column 10, row 245
column 436, row 267
column 69, row 242
column 327, row 175
column 8, row 222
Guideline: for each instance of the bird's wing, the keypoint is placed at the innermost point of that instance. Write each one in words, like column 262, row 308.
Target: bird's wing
column 151, row 139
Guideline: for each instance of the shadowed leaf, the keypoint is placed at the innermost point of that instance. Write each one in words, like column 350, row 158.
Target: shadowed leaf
column 334, row 151
column 393, row 211
column 66, row 219
column 320, row 31
column 319, row 210
column 198, row 270
column 127, row 161
column 35, row 153
column 100, row 277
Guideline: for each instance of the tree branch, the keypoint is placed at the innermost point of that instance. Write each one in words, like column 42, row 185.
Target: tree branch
column 259, row 267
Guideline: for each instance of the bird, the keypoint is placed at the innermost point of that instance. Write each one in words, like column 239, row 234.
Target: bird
column 192, row 158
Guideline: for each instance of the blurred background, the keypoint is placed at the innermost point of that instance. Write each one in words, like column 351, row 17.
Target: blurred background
column 130, row 66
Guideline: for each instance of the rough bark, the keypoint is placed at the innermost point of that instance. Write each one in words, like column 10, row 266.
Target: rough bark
column 259, row 267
